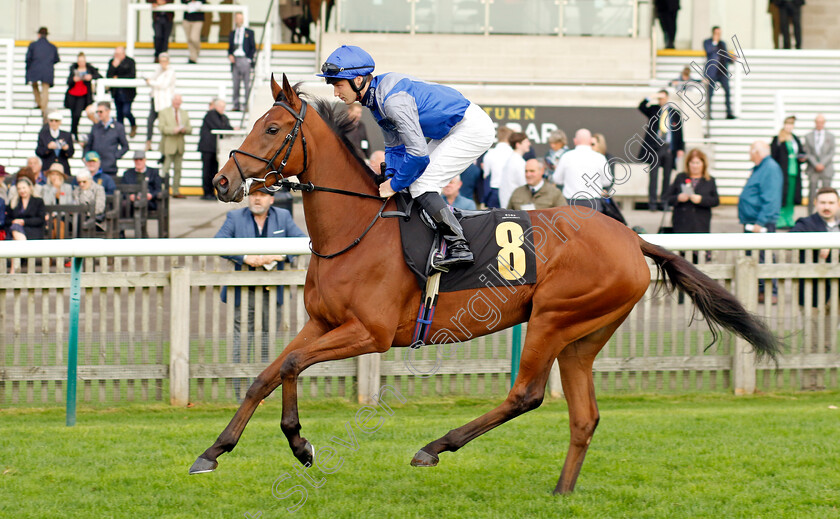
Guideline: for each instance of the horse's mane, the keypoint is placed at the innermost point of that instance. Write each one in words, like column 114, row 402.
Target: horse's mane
column 335, row 115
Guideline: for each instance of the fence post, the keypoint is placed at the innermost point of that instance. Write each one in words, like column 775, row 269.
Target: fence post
column 179, row 337
column 746, row 288
column 368, row 376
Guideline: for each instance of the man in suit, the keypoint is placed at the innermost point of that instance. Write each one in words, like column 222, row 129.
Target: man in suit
column 663, row 144
column 141, row 172
column 819, row 151
column 107, row 139
column 174, row 124
column 41, row 56
column 537, row 193
column 717, row 60
column 54, row 144
column 241, row 49
column 259, row 220
column 214, row 119
column 666, row 11
column 790, row 11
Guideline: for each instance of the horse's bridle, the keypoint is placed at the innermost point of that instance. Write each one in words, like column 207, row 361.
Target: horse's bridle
column 288, row 144
column 279, row 182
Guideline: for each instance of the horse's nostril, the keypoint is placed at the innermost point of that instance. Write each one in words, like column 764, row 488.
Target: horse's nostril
column 223, row 181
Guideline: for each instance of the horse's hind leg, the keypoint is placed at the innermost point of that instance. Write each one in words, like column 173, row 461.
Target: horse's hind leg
column 527, row 394
column 576, row 375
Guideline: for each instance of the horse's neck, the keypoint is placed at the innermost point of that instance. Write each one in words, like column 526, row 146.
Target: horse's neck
column 334, row 220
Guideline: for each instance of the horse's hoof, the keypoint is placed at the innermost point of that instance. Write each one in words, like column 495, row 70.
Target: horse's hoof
column 424, row 459
column 307, row 457
column 203, row 465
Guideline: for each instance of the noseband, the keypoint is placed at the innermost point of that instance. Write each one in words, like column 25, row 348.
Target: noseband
column 276, row 173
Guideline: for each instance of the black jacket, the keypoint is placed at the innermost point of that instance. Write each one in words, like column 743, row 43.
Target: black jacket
column 152, row 176
column 779, row 153
column 249, row 45
column 125, row 70
column 213, row 120
column 41, row 57
column 48, row 156
column 813, row 223
column 93, row 71
column 667, row 6
column 652, row 141
column 33, row 218
column 110, row 142
column 690, row 217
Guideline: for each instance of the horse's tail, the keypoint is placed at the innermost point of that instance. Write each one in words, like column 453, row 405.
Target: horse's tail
column 718, row 306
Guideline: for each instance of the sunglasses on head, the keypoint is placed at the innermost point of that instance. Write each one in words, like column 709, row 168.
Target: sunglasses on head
column 331, row 69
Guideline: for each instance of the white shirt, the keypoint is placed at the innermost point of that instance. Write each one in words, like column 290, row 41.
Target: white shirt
column 581, row 173
column 494, row 160
column 513, row 176
column 238, row 40
column 819, row 139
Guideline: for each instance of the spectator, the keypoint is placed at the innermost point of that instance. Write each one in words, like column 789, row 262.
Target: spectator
column 824, row 220
column 163, row 89
column 773, row 11
column 666, row 11
column 494, row 161
column 684, row 79
column 556, row 148
column 142, row 173
column 174, row 125
column 162, row 26
column 79, row 90
column 537, row 193
column 25, row 217
column 513, row 170
column 34, row 163
column 107, row 138
column 471, row 183
column 193, row 20
column 41, row 57
column 761, row 199
column 123, row 67
column 451, row 194
column 786, row 149
column 89, row 192
column 30, row 172
column 259, row 220
column 57, row 190
column 92, row 164
column 55, row 145
column 581, row 172
column 819, row 152
column 4, row 187
column 692, row 195
column 241, row 49
column 717, row 60
column 375, row 161
column 358, row 133
column 214, row 119
column 663, row 144
column 790, row 11
column 291, row 12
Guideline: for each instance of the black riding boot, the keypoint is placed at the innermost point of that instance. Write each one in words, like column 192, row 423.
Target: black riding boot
column 457, row 248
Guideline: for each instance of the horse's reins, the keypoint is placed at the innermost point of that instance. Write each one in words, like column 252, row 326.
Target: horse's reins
column 279, row 182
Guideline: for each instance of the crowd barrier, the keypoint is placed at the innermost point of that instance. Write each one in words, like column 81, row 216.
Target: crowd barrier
column 152, row 326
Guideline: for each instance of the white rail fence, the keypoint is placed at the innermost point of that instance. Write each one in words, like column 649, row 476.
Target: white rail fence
column 152, row 322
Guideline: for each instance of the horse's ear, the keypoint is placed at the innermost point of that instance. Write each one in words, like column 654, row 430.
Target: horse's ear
column 290, row 94
column 275, row 88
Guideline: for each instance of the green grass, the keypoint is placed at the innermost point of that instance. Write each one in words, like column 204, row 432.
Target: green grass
column 768, row 456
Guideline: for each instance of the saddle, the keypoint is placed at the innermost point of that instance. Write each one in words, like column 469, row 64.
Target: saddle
column 499, row 238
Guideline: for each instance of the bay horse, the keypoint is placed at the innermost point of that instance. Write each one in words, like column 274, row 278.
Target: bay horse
column 591, row 274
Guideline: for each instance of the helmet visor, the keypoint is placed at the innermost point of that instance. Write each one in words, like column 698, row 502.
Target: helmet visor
column 330, row 69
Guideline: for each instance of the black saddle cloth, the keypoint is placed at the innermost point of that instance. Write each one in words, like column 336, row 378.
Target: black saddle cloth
column 499, row 239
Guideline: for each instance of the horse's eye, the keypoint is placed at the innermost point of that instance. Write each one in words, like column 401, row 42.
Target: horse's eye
column 272, row 130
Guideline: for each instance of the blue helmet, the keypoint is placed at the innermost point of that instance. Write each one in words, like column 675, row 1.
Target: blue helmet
column 347, row 62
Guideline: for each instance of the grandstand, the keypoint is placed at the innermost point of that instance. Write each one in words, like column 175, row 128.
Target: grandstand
column 197, row 83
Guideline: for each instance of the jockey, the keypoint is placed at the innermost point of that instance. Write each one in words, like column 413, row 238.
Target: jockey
column 410, row 112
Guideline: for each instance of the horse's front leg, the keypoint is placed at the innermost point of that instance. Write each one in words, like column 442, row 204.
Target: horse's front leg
column 348, row 340
column 264, row 384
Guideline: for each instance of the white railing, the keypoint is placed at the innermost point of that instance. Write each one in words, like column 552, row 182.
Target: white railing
column 780, row 111
column 134, row 11
column 9, row 44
